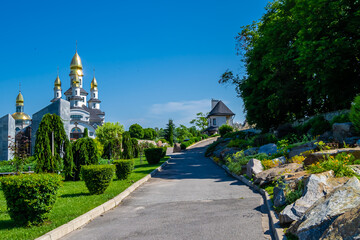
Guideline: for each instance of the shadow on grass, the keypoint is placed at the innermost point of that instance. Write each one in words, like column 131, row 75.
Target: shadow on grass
column 74, row 195
column 8, row 224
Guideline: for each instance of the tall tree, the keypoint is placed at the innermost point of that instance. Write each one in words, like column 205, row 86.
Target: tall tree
column 200, row 121
column 128, row 146
column 169, row 132
column 110, row 136
column 136, row 131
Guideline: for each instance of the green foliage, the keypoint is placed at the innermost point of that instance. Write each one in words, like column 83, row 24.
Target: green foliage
column 135, row 147
column 319, row 125
column 302, row 51
column 190, row 142
column 211, row 148
column 237, row 160
column 262, row 139
column 86, row 132
column 341, row 118
column 136, row 131
column 224, row 129
column 99, row 146
column 355, row 113
column 128, row 146
column 97, row 177
column 124, row 168
column 149, row 133
column 153, row 155
column 239, row 143
column 110, row 136
column 84, row 153
column 292, row 195
column 46, row 161
column 30, row 197
column 200, row 121
column 283, row 147
column 339, row 164
column 183, row 133
column 169, row 132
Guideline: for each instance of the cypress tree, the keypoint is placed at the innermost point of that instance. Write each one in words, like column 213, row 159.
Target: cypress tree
column 127, row 145
column 84, row 153
column 52, row 127
column 169, row 132
column 86, row 132
column 135, row 146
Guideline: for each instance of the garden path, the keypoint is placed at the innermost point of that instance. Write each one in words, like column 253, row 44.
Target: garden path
column 192, row 198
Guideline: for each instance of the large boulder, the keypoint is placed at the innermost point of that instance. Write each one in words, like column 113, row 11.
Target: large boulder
column 253, row 167
column 279, row 196
column 316, row 186
column 324, row 212
column 301, row 149
column 347, row 226
column 176, row 148
column 268, row 149
column 270, row 175
column 341, row 131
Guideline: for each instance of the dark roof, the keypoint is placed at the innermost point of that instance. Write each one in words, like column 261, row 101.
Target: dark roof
column 94, row 114
column 221, row 109
column 82, row 92
column 94, row 100
column 54, row 99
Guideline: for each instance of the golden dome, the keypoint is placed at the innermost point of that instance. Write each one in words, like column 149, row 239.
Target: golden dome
column 94, row 83
column 57, row 83
column 21, row 116
column 19, row 100
column 76, row 62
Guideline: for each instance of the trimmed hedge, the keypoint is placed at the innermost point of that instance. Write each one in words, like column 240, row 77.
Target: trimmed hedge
column 30, row 197
column 186, row 144
column 97, row 177
column 153, row 155
column 123, row 168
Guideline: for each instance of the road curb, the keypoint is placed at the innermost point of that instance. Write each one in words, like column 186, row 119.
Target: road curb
column 82, row 220
column 274, row 220
column 191, row 146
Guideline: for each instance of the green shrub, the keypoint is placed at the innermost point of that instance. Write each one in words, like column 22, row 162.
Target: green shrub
column 153, row 155
column 342, row 118
column 97, row 177
column 239, row 143
column 186, row 144
column 123, row 168
column 262, row 139
column 136, row 131
column 30, row 197
column 355, row 113
column 163, row 154
column 204, row 136
column 128, row 147
column 319, row 125
column 135, row 147
column 224, row 129
column 84, row 153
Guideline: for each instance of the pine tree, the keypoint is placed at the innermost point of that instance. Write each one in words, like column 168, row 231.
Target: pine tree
column 51, row 128
column 169, row 132
column 128, row 148
column 86, row 132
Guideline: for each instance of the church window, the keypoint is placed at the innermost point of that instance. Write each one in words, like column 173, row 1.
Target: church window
column 78, row 117
column 57, row 94
column 214, row 121
column 76, row 103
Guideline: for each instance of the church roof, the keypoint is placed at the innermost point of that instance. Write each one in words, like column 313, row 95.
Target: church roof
column 76, row 61
column 19, row 100
column 94, row 100
column 21, row 116
column 82, row 92
column 221, row 109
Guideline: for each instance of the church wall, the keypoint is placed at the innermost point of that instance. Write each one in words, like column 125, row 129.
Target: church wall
column 7, row 129
column 61, row 108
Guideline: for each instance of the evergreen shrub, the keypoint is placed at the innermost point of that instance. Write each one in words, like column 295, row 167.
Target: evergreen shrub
column 153, row 155
column 30, row 197
column 97, row 177
column 342, row 118
column 84, row 153
column 319, row 125
column 163, row 154
column 135, row 147
column 123, row 168
column 355, row 113
column 128, row 146
column 224, row 129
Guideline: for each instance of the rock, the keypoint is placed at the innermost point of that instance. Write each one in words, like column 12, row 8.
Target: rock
column 301, row 149
column 342, row 131
column 316, row 186
column 281, row 160
column 268, row 149
column 324, row 212
column 279, row 196
column 177, row 148
column 355, row 168
column 347, row 226
column 159, row 144
column 315, row 157
column 271, row 174
column 253, row 167
column 228, row 151
column 251, row 151
column 283, row 130
column 351, row 140
column 326, row 136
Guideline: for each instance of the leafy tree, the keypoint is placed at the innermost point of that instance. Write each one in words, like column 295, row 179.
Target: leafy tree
column 51, row 132
column 136, row 131
column 149, row 133
column 84, row 153
column 169, row 132
column 200, row 121
column 86, row 132
column 298, row 57
column 183, row 133
column 128, row 146
column 110, row 136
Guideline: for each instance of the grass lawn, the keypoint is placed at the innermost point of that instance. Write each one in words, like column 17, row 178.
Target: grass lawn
column 73, row 200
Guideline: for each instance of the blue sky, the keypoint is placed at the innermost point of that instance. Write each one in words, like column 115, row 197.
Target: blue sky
column 153, row 60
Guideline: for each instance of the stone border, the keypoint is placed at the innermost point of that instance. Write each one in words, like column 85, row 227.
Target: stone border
column 82, row 220
column 274, row 220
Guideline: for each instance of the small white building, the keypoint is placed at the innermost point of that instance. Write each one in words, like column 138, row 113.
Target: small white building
column 219, row 115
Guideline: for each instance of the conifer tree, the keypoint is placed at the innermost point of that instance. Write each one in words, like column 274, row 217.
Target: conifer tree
column 128, row 148
column 84, row 153
column 86, row 132
column 169, row 132
column 51, row 132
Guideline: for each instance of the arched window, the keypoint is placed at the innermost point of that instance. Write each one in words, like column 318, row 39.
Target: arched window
column 57, row 94
column 76, row 133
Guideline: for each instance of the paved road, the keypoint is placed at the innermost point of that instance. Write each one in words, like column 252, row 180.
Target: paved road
column 192, row 198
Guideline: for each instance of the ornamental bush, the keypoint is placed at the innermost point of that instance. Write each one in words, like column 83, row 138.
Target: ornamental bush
column 123, row 168
column 224, row 129
column 97, row 177
column 136, row 131
column 127, row 146
column 153, row 155
column 84, row 153
column 30, row 197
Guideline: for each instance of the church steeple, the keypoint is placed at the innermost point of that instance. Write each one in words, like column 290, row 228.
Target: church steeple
column 94, row 101
column 21, row 119
column 57, row 88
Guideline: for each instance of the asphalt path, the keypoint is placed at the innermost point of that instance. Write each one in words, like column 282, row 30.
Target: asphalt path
column 192, row 198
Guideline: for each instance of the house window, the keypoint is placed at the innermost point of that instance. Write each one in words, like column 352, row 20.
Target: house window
column 214, row 121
